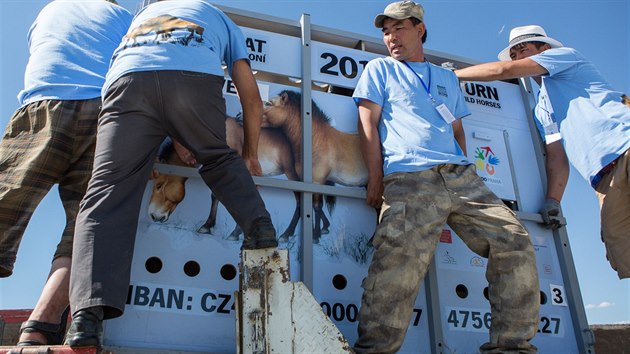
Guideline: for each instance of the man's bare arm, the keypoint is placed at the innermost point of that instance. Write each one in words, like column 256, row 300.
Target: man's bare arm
column 369, row 117
column 501, row 70
column 248, row 94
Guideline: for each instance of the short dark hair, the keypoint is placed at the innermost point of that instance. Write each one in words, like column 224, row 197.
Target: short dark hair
column 535, row 43
column 415, row 22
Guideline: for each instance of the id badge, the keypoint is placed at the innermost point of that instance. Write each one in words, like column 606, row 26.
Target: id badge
column 445, row 113
column 551, row 129
column 552, row 134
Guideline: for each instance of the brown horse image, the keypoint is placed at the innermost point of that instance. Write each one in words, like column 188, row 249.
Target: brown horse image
column 625, row 100
column 275, row 156
column 337, row 155
column 164, row 26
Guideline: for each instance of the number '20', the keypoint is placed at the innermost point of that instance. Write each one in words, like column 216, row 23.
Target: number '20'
column 346, row 65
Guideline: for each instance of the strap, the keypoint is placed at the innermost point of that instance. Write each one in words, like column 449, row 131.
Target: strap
column 49, row 330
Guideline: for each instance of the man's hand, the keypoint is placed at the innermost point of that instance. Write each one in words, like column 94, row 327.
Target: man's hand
column 253, row 165
column 184, row 154
column 375, row 192
column 550, row 208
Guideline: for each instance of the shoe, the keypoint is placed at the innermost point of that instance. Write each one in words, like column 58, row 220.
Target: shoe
column 262, row 235
column 53, row 332
column 5, row 272
column 86, row 328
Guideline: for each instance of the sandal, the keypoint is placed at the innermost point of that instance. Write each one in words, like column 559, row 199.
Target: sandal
column 54, row 333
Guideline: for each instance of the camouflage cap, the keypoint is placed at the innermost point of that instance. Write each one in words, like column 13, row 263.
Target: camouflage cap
column 399, row 11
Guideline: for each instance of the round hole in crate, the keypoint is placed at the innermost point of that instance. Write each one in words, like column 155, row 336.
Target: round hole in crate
column 462, row 291
column 485, row 293
column 228, row 272
column 339, row 282
column 153, row 265
column 543, row 298
column 192, row 268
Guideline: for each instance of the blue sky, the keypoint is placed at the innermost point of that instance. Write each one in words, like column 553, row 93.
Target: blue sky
column 477, row 30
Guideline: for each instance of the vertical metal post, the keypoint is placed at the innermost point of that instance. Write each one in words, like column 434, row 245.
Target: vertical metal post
column 517, row 194
column 307, row 156
column 583, row 335
column 434, row 313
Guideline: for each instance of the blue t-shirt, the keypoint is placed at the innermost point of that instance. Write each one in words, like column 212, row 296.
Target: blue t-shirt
column 70, row 45
column 189, row 35
column 591, row 120
column 414, row 137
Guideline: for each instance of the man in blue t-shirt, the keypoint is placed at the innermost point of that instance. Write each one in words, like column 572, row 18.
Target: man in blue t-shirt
column 50, row 140
column 166, row 79
column 582, row 119
column 413, row 145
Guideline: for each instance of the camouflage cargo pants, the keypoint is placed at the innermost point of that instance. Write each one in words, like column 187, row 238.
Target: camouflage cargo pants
column 416, row 207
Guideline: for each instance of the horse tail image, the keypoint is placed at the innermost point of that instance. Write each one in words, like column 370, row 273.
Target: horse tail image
column 331, row 200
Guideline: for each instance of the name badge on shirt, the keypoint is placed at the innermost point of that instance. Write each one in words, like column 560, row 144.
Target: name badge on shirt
column 552, row 134
column 445, row 113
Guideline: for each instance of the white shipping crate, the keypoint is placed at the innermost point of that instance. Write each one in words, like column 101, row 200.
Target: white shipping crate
column 182, row 287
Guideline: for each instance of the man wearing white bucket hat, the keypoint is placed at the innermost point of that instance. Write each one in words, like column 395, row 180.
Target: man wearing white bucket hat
column 582, row 119
column 412, row 142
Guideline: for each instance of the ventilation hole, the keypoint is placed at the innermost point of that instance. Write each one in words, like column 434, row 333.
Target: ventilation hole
column 191, row 268
column 228, row 272
column 339, row 282
column 543, row 298
column 461, row 291
column 153, row 265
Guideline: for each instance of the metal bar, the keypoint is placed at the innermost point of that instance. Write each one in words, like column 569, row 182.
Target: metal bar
column 536, row 217
column 348, row 192
column 583, row 334
column 517, row 194
column 307, row 153
column 297, row 186
column 434, row 311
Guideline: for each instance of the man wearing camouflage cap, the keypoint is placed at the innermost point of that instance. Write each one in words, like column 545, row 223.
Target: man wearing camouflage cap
column 414, row 146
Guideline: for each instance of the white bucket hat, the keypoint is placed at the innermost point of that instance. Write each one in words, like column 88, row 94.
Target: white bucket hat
column 523, row 34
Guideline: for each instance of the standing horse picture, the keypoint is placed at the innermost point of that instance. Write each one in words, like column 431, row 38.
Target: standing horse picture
column 336, row 157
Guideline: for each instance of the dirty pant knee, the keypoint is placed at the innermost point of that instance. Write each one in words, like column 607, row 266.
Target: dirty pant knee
column 376, row 337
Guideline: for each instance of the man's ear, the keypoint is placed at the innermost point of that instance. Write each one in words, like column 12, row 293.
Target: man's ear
column 422, row 28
